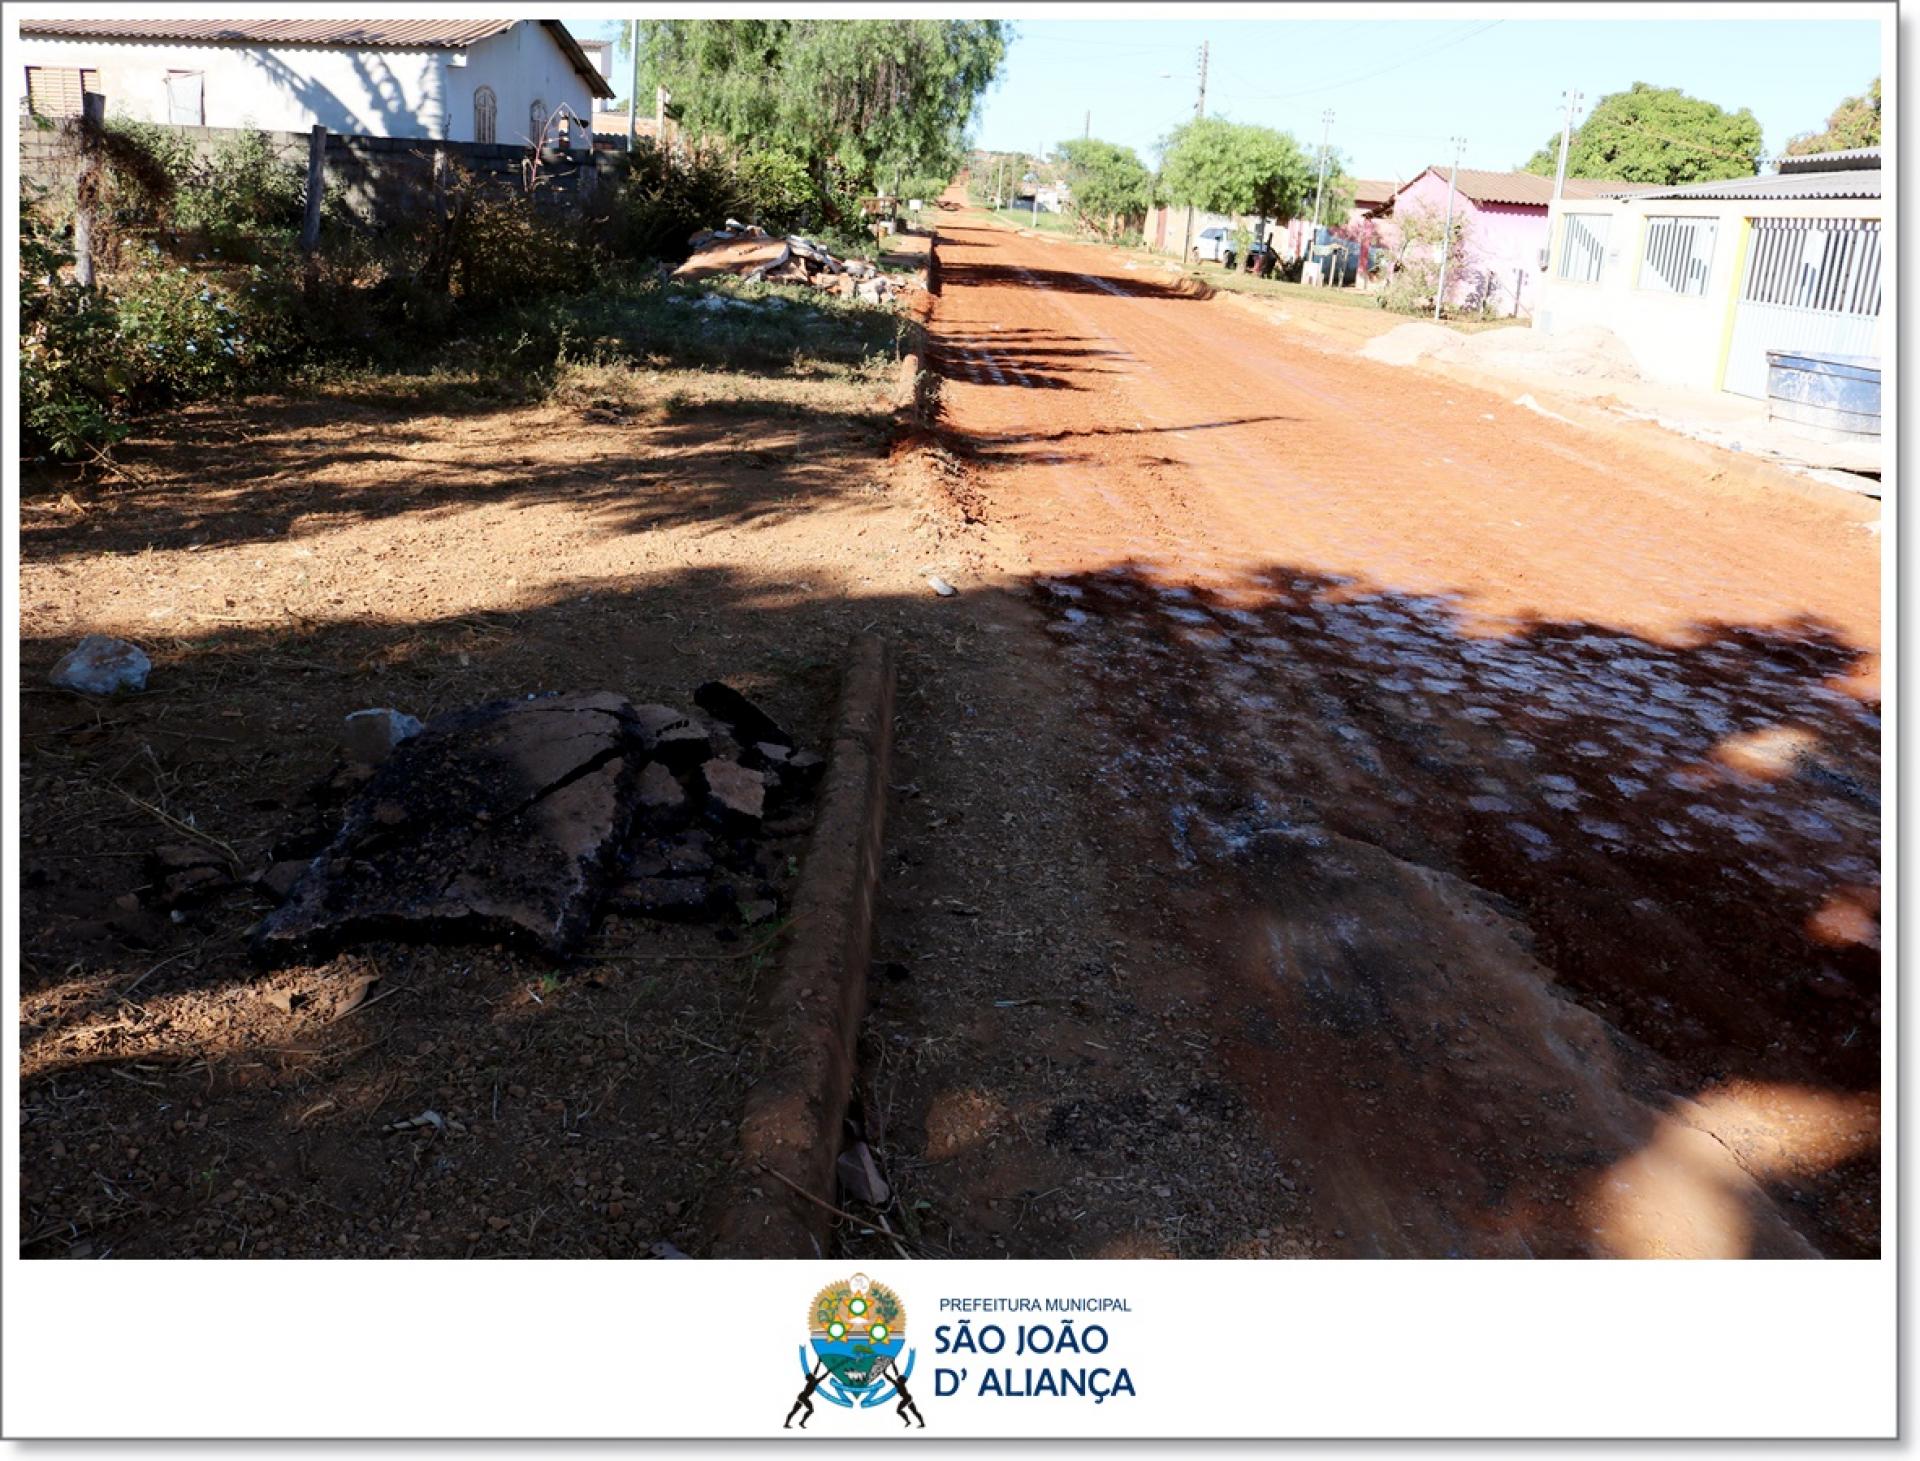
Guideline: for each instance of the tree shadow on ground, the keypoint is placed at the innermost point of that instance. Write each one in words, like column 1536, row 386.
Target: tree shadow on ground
column 303, row 466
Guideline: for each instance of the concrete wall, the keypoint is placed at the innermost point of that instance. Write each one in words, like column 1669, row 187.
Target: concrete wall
column 1674, row 339
column 372, row 93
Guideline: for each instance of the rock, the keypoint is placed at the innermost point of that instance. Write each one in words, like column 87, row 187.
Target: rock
column 671, row 738
column 940, row 586
column 748, row 722
column 371, row 735
column 135, row 923
column 100, row 665
column 185, row 874
column 661, row 797
column 868, row 291
column 735, row 796
column 277, row 880
column 500, row 820
column 664, row 897
column 860, row 1176
column 685, row 857
column 664, row 1249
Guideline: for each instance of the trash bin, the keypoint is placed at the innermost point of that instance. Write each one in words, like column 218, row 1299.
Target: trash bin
column 1837, row 392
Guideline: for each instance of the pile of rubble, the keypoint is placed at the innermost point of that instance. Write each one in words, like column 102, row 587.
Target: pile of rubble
column 748, row 252
column 526, row 819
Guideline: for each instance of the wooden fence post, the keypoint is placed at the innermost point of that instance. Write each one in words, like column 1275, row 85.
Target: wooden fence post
column 316, row 188
column 93, row 114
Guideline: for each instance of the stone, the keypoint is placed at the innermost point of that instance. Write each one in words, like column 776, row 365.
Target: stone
column 685, row 858
column 371, row 735
column 758, row 910
column 671, row 738
column 735, row 797
column 664, row 898
column 277, row 880
column 661, row 796
column 497, row 821
column 748, row 722
column 101, row 665
column 860, row 1176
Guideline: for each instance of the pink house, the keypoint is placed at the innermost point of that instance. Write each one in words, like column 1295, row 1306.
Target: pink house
column 1506, row 229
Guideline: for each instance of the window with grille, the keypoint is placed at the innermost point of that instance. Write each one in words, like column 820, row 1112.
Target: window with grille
column 1678, row 256
column 537, row 120
column 55, row 91
column 1826, row 264
column 1583, row 246
column 486, row 108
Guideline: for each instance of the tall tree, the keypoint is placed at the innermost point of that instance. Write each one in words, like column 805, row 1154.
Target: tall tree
column 1231, row 167
column 1109, row 183
column 856, row 100
column 1854, row 123
column 1656, row 134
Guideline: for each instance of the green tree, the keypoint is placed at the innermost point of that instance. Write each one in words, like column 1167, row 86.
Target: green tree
column 1231, row 167
column 1110, row 185
column 859, row 101
column 1854, row 123
column 1656, row 134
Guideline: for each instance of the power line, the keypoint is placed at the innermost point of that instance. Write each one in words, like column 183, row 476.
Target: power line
column 1382, row 71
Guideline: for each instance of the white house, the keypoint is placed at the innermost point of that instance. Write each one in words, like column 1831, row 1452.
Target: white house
column 1701, row 281
column 433, row 78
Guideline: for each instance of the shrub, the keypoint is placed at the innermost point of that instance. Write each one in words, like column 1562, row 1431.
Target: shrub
column 665, row 201
column 246, row 187
column 67, row 346
column 776, row 190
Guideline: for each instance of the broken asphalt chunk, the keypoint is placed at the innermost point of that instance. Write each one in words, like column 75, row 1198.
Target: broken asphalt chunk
column 499, row 820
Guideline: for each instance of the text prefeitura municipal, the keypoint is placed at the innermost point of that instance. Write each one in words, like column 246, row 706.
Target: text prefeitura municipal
column 1035, row 1306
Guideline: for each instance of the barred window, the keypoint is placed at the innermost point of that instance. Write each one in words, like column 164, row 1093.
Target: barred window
column 1583, row 246
column 537, row 120
column 485, row 110
column 55, row 91
column 1679, row 255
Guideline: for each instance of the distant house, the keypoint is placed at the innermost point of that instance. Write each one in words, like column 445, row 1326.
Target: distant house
column 1700, row 282
column 601, row 54
column 1506, row 228
column 433, row 78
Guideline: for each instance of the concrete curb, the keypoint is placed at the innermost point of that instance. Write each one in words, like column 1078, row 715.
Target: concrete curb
column 916, row 388
column 811, row 1020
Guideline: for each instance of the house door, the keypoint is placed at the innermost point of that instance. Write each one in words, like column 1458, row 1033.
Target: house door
column 1810, row 284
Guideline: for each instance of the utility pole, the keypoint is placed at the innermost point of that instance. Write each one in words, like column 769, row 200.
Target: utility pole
column 1446, row 241
column 1320, row 188
column 633, row 87
column 1199, row 114
column 1087, row 131
column 1573, row 100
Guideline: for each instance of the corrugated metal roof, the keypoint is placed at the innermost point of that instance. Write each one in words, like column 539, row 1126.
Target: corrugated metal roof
column 1522, row 189
column 1781, row 187
column 431, row 33
column 1846, row 159
column 434, row 33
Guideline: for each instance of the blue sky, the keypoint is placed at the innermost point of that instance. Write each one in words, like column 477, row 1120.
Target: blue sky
column 1400, row 88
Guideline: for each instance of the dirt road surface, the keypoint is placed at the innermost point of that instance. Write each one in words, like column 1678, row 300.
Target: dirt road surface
column 1480, row 813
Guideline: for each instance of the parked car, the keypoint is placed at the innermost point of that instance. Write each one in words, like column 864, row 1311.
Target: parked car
column 1215, row 244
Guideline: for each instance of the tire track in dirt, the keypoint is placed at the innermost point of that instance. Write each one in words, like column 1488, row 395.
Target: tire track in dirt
column 1372, row 680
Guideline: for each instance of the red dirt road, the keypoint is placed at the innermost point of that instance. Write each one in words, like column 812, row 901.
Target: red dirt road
column 1512, row 790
